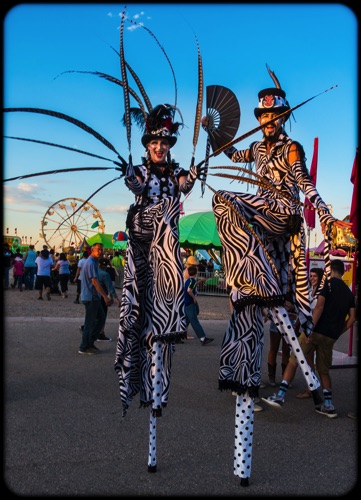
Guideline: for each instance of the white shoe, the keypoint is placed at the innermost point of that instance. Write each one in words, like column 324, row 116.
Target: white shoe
column 257, row 408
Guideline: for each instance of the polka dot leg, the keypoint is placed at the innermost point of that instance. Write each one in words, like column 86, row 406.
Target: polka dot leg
column 243, row 436
column 284, row 325
column 157, row 368
column 152, row 458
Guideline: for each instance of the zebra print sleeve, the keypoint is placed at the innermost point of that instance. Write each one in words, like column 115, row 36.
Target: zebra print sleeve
column 240, row 156
column 305, row 184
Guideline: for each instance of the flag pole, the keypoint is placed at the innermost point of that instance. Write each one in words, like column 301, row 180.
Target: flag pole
column 353, row 289
column 354, row 230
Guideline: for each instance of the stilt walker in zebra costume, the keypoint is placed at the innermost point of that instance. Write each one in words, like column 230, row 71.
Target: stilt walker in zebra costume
column 152, row 307
column 263, row 242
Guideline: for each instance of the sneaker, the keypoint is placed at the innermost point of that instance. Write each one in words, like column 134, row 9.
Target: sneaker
column 272, row 381
column 93, row 349
column 328, row 411
column 275, row 401
column 262, row 385
column 40, row 298
column 103, row 337
column 257, row 408
column 207, row 341
column 352, row 414
column 87, row 351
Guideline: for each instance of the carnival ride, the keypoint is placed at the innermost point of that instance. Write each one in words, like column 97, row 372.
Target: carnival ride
column 64, row 225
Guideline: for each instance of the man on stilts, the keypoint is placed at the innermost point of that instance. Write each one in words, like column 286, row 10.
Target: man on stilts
column 263, row 242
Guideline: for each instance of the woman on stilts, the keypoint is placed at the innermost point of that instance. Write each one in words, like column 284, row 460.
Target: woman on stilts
column 152, row 314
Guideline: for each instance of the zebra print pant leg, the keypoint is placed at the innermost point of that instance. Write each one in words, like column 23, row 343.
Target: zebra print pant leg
column 131, row 344
column 241, row 352
column 257, row 264
column 152, row 301
column 168, row 317
column 249, row 270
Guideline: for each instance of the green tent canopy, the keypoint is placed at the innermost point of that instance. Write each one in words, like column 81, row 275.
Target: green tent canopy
column 199, row 230
column 107, row 240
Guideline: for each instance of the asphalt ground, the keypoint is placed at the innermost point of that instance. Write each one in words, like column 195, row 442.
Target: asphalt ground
column 64, row 435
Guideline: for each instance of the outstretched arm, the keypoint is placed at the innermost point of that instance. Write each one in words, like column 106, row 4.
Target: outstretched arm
column 296, row 160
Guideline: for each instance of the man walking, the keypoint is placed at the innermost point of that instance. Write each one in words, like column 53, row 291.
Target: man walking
column 91, row 293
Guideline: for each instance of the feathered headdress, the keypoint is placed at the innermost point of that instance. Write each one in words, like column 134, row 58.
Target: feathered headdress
column 157, row 124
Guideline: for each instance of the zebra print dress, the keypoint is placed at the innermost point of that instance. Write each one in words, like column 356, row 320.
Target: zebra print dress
column 152, row 305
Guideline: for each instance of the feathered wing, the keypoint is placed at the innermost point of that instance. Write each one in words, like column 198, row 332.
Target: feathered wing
column 112, row 79
column 68, row 118
column 59, row 171
column 62, row 147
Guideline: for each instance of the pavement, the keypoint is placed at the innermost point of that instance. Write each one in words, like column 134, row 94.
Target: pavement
column 64, row 435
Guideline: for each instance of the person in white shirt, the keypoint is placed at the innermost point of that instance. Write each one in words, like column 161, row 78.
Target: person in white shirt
column 44, row 264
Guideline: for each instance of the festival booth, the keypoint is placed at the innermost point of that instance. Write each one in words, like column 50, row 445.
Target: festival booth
column 198, row 233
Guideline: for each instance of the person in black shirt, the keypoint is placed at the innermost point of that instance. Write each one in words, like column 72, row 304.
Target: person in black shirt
column 334, row 314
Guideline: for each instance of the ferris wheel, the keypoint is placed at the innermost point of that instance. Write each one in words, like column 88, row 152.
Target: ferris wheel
column 64, row 225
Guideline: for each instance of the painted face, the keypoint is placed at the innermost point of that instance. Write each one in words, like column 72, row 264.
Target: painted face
column 158, row 150
column 270, row 131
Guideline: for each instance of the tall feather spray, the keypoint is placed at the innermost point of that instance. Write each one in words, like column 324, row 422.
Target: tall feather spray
column 198, row 116
column 165, row 54
column 125, row 86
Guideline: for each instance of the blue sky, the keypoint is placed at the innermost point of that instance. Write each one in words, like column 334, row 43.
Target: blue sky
column 310, row 47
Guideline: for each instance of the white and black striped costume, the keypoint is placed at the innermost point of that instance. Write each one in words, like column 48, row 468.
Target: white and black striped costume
column 256, row 261
column 152, row 305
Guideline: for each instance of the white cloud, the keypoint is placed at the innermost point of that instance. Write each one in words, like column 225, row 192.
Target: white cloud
column 28, row 188
column 23, row 193
column 119, row 209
